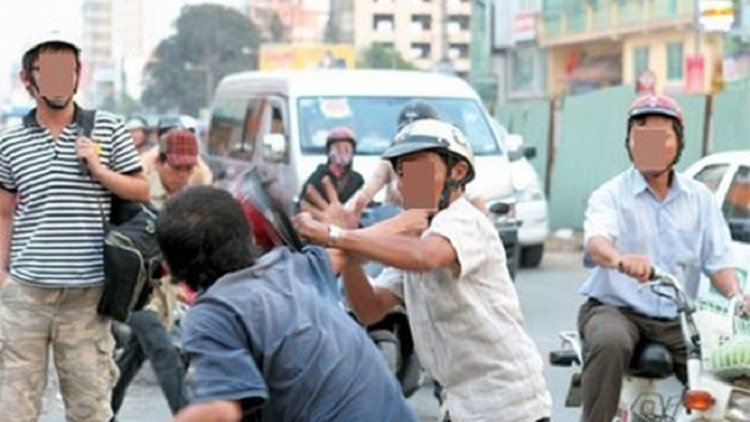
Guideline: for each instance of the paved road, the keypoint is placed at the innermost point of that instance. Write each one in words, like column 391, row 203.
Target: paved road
column 549, row 302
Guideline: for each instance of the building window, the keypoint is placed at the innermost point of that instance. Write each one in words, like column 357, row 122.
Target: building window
column 421, row 50
column 640, row 61
column 459, row 51
column 523, row 67
column 421, row 23
column 459, row 22
column 383, row 23
column 675, row 59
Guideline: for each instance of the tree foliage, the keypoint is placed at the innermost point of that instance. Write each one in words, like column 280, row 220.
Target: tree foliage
column 332, row 31
column 383, row 56
column 211, row 42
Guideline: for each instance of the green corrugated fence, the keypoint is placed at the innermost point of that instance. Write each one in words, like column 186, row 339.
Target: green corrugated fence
column 590, row 148
column 531, row 120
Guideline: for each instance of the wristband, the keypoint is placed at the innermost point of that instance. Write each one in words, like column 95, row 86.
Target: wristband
column 334, row 234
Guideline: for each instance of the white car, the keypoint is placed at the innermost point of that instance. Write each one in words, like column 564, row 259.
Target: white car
column 727, row 174
column 530, row 201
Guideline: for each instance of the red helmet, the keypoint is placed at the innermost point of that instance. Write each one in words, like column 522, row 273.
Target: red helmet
column 656, row 104
column 341, row 133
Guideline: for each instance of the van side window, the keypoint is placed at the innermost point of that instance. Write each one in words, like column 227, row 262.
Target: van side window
column 235, row 128
column 225, row 128
column 278, row 126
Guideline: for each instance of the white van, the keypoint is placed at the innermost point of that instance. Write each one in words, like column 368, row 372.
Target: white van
column 278, row 121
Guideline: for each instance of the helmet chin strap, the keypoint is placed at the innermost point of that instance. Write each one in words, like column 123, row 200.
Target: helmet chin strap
column 56, row 105
column 445, row 195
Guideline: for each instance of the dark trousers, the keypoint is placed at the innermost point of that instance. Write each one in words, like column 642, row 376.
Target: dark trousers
column 150, row 340
column 611, row 335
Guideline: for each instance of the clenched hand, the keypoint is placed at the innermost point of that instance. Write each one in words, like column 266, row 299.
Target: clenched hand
column 636, row 266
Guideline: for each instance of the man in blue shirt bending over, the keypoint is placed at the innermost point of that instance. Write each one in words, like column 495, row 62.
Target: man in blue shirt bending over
column 267, row 336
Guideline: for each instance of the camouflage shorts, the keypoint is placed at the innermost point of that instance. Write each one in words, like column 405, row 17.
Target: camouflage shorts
column 31, row 320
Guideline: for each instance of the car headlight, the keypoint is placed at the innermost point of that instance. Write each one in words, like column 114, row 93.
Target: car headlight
column 738, row 408
column 530, row 194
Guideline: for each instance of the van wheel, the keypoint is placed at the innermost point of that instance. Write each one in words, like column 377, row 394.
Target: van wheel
column 531, row 256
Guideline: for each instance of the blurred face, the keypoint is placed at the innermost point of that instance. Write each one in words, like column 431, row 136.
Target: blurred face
column 422, row 177
column 653, row 144
column 139, row 137
column 56, row 75
column 174, row 177
column 341, row 153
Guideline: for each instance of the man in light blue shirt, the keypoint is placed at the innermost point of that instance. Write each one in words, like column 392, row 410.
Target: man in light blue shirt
column 646, row 216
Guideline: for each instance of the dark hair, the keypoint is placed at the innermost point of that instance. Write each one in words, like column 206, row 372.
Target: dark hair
column 32, row 55
column 204, row 235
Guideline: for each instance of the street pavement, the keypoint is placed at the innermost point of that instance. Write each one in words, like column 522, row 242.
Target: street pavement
column 550, row 303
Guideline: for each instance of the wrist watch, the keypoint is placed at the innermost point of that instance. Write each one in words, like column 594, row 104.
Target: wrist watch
column 334, row 233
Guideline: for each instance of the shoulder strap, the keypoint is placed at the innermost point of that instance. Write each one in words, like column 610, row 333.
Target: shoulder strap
column 85, row 120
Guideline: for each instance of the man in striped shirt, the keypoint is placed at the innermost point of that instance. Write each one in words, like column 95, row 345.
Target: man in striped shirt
column 55, row 190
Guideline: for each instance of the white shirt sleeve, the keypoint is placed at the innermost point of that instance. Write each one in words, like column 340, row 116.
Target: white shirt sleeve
column 461, row 228
column 601, row 216
column 392, row 279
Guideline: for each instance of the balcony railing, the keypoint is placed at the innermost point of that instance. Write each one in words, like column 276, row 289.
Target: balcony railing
column 574, row 20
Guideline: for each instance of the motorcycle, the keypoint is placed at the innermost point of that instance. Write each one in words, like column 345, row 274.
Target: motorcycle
column 715, row 390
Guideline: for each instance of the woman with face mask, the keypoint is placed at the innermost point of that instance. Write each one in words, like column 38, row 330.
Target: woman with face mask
column 341, row 145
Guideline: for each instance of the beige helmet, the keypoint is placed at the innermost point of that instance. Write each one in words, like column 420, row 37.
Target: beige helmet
column 432, row 135
column 53, row 36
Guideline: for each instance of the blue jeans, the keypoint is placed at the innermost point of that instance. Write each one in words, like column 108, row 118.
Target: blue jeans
column 151, row 340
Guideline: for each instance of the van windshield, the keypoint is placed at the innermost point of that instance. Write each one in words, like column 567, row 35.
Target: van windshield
column 374, row 120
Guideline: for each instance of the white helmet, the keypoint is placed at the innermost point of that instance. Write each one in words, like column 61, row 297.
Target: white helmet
column 432, row 135
column 53, row 36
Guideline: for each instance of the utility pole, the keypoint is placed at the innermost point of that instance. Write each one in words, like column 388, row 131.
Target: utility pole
column 444, row 41
column 444, row 64
column 697, row 18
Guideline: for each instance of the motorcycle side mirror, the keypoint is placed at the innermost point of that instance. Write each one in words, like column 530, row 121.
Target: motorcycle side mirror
column 500, row 208
column 740, row 230
column 529, row 152
column 274, row 147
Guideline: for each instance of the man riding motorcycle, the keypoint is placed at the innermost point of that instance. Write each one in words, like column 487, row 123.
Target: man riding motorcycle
column 647, row 215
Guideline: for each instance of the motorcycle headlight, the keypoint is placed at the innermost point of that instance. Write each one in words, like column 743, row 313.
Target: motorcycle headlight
column 738, row 408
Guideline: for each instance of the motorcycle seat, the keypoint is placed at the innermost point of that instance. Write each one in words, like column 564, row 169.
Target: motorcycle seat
column 651, row 360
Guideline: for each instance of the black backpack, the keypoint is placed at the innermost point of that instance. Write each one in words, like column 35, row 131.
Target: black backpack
column 132, row 260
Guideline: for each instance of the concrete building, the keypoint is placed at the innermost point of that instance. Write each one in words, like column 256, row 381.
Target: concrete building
column 303, row 23
column 518, row 60
column 98, row 78
column 610, row 42
column 137, row 28
column 342, row 17
column 416, row 28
